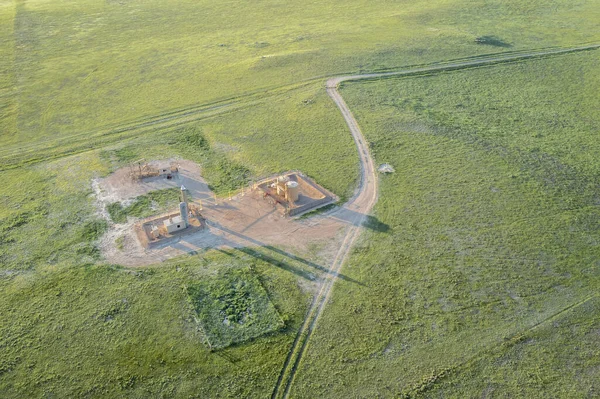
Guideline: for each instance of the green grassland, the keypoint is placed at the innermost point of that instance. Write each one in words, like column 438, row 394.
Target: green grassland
column 559, row 358
column 68, row 332
column 485, row 281
column 48, row 214
column 101, row 331
column 86, row 87
column 299, row 129
column 77, row 67
column 232, row 308
column 8, row 113
column 58, row 296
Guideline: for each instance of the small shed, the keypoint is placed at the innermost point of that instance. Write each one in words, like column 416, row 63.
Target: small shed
column 175, row 224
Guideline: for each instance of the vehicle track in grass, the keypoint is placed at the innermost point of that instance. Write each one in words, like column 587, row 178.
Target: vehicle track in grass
column 360, row 205
column 28, row 153
column 17, row 155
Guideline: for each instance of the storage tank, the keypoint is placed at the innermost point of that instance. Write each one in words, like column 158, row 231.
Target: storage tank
column 281, row 181
column 293, row 191
column 183, row 212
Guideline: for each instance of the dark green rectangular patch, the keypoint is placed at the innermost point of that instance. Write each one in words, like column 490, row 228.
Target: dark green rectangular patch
column 233, row 307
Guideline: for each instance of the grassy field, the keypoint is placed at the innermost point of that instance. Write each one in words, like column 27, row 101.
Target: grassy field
column 86, row 87
column 485, row 283
column 75, row 68
column 145, row 205
column 559, row 358
column 48, row 215
column 100, row 331
column 76, row 327
column 233, row 307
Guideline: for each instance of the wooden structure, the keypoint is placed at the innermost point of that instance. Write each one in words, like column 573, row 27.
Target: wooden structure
column 141, row 169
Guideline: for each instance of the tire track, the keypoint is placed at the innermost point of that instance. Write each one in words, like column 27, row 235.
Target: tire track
column 365, row 197
column 17, row 155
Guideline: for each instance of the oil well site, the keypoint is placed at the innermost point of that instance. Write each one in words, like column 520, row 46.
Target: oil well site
column 297, row 200
column 264, row 212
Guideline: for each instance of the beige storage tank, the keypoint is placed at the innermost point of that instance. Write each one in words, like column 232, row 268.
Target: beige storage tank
column 293, row 191
column 281, row 181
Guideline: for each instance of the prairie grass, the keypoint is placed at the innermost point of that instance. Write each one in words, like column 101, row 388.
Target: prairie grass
column 47, row 215
column 104, row 331
column 144, row 205
column 75, row 326
column 75, row 67
column 233, row 307
column 493, row 240
column 46, row 206
column 86, row 87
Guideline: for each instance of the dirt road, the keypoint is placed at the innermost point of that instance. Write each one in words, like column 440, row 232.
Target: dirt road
column 365, row 197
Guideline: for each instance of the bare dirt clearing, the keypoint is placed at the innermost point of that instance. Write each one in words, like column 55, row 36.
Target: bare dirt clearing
column 245, row 220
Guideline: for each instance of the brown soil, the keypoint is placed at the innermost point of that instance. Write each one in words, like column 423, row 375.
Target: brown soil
column 245, row 220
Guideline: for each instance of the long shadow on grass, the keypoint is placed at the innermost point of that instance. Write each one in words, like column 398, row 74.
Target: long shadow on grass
column 355, row 218
column 225, row 355
column 492, row 41
column 311, row 264
column 280, row 263
column 269, row 259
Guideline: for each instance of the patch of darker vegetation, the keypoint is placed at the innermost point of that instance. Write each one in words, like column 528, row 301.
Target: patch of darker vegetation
column 93, row 229
column 191, row 138
column 224, row 174
column 260, row 44
column 7, row 365
column 235, row 301
column 492, row 41
column 233, row 307
column 21, row 219
column 90, row 231
column 424, row 385
column 144, row 205
column 113, row 309
column 10, row 227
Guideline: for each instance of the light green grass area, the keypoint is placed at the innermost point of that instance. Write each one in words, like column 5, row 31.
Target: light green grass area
column 300, row 129
column 8, row 105
column 47, row 216
column 491, row 251
column 78, row 67
column 232, row 308
column 102, row 331
column 68, row 332
column 560, row 357
column 87, row 87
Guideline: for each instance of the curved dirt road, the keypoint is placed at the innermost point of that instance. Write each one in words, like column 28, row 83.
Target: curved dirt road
column 365, row 197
